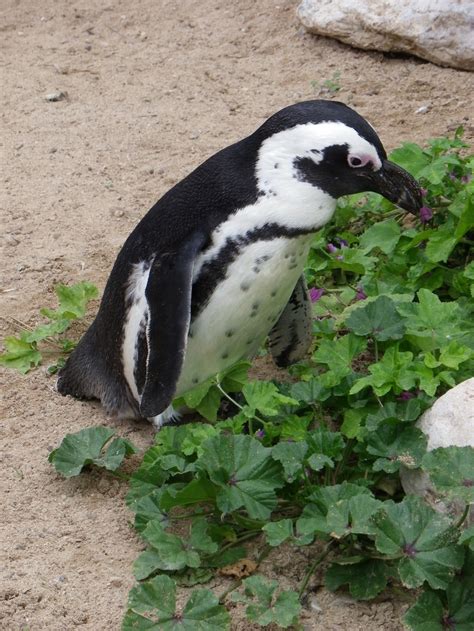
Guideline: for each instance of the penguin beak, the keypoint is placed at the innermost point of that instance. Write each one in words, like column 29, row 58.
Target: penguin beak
column 398, row 186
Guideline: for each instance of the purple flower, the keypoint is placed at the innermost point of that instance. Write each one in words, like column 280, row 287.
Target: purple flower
column 466, row 178
column 425, row 214
column 342, row 243
column 406, row 395
column 331, row 248
column 260, row 433
column 360, row 295
column 315, row 294
column 453, row 177
column 424, row 192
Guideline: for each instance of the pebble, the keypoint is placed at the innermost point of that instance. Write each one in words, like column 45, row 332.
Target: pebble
column 423, row 109
column 116, row 582
column 11, row 240
column 52, row 97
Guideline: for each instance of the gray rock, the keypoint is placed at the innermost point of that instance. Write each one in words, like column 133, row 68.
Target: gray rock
column 449, row 422
column 440, row 31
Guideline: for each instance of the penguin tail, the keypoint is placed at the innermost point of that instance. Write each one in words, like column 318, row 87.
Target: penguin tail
column 87, row 376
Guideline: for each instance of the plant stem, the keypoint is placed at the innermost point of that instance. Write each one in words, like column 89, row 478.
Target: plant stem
column 241, row 407
column 376, row 349
column 345, row 457
column 313, row 566
column 464, row 516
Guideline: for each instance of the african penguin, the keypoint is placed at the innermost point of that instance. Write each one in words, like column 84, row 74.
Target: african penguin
column 216, row 265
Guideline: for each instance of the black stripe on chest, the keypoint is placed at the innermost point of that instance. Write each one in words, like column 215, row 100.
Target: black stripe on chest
column 214, row 271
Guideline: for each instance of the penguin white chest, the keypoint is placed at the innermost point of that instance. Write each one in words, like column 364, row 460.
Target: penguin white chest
column 243, row 308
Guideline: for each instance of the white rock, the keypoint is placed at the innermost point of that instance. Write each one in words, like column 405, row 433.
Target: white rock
column 438, row 30
column 449, row 422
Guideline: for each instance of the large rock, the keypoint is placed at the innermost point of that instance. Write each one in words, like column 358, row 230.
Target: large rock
column 449, row 422
column 441, row 31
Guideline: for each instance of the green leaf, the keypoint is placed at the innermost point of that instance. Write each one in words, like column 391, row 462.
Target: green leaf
column 383, row 235
column 379, row 319
column 86, row 448
column 429, row 613
column 394, row 370
column 451, row 470
column 366, row 579
column 311, row 391
column 291, row 456
column 152, row 606
column 467, row 536
column 324, row 447
column 426, row 614
column 73, row 300
column 263, row 607
column 278, row 531
column 264, row 396
column 455, row 354
column 19, row 354
column 352, row 516
column 396, row 445
column 339, row 354
column 148, row 508
column 411, row 157
column 244, row 471
column 314, row 519
column 170, row 552
column 423, row 540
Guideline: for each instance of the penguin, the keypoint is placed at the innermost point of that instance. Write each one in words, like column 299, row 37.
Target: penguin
column 216, row 266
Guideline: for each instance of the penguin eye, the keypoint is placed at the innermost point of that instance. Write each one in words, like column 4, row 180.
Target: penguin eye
column 357, row 162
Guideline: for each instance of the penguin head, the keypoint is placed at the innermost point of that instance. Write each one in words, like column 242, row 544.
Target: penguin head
column 329, row 146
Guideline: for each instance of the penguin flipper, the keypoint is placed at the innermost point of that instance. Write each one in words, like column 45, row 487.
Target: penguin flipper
column 168, row 294
column 291, row 337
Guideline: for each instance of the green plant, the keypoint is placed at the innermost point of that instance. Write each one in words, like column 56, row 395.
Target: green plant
column 329, row 86
column 26, row 350
column 315, row 463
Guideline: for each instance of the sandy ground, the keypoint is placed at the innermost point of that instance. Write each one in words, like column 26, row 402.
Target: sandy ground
column 153, row 87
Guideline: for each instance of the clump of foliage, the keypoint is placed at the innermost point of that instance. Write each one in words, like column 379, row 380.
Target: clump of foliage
column 26, row 350
column 315, row 463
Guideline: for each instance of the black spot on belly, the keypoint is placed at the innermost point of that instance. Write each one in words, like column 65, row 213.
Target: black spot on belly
column 276, row 165
column 274, row 293
column 229, row 333
column 225, row 355
column 195, row 380
column 248, row 342
column 244, row 286
column 215, row 270
column 256, row 269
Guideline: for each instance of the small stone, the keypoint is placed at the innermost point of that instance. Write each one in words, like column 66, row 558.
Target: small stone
column 118, row 213
column 194, row 136
column 11, row 240
column 52, row 97
column 449, row 422
column 423, row 109
column 116, row 582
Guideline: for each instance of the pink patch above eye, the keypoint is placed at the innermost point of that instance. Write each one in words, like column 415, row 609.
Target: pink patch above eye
column 359, row 160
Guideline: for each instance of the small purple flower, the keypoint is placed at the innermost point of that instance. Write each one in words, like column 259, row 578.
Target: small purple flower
column 331, row 248
column 425, row 214
column 260, row 433
column 424, row 192
column 315, row 294
column 360, row 295
column 453, row 177
column 342, row 243
column 466, row 178
column 406, row 395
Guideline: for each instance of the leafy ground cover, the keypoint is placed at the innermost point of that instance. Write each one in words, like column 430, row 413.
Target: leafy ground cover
column 317, row 460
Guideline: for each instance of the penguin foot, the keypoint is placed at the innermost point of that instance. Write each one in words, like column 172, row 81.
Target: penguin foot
column 168, row 416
